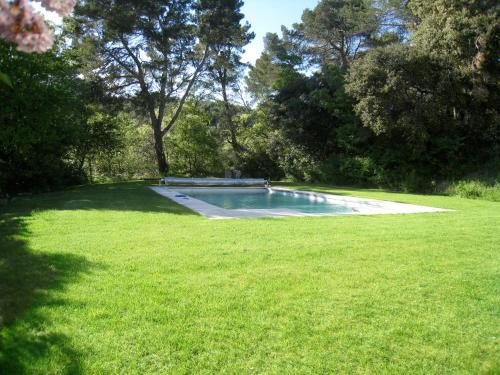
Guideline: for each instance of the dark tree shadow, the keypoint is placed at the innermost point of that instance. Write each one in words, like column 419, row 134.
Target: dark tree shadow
column 130, row 196
column 26, row 279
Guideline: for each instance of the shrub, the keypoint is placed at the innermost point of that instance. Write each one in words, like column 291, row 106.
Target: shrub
column 342, row 169
column 475, row 189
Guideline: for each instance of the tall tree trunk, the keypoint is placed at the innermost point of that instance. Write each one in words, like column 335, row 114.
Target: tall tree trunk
column 91, row 173
column 230, row 123
column 157, row 120
column 163, row 166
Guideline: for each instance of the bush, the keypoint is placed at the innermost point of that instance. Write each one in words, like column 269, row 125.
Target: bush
column 192, row 146
column 342, row 169
column 41, row 122
column 298, row 165
column 475, row 189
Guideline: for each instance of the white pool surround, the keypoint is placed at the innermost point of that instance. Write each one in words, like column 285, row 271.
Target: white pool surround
column 357, row 206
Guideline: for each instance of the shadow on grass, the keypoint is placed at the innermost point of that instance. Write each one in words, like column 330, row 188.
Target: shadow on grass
column 26, row 282
column 130, row 196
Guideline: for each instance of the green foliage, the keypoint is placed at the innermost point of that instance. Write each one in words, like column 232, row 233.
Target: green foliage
column 157, row 51
column 120, row 148
column 261, row 157
column 298, row 165
column 349, row 170
column 400, row 89
column 435, row 100
column 475, row 189
column 339, row 29
column 225, row 66
column 193, row 146
column 40, row 121
column 281, row 56
column 102, row 140
column 423, row 79
column 51, row 127
column 219, row 22
column 5, row 79
column 394, row 93
column 310, row 110
column 136, row 159
column 318, row 129
column 262, row 77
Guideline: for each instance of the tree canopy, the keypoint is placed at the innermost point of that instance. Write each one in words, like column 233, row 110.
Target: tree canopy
column 156, row 49
column 391, row 93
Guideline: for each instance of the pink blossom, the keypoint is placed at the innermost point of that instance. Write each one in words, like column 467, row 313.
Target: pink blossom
column 19, row 24
column 63, row 7
column 7, row 21
column 37, row 37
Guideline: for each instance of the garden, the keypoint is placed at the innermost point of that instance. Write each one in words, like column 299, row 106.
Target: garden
column 367, row 102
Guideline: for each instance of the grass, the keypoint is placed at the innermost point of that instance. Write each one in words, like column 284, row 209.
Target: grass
column 115, row 279
column 476, row 189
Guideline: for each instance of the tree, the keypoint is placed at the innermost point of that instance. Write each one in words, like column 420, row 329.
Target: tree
column 466, row 34
column 225, row 65
column 193, row 144
column 310, row 110
column 436, row 97
column 44, row 122
column 401, row 88
column 339, row 30
column 101, row 138
column 281, row 54
column 155, row 48
column 262, row 76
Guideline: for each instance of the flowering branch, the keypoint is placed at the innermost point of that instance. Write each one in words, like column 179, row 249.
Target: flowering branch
column 21, row 25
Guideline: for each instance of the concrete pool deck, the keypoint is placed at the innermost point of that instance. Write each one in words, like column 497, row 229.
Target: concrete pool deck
column 359, row 206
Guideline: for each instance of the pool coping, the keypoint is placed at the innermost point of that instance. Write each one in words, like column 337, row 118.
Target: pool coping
column 361, row 206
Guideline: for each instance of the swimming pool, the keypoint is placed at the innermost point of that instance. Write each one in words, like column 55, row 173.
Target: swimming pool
column 221, row 203
column 234, row 199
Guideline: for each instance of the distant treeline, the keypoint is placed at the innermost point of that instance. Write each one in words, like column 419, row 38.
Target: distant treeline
column 401, row 94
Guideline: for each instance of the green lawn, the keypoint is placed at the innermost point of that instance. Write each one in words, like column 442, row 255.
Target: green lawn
column 116, row 279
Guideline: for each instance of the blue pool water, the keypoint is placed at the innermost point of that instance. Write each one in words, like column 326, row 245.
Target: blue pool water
column 265, row 199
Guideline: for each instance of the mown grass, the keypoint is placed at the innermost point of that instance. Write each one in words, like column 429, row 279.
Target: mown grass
column 115, row 279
